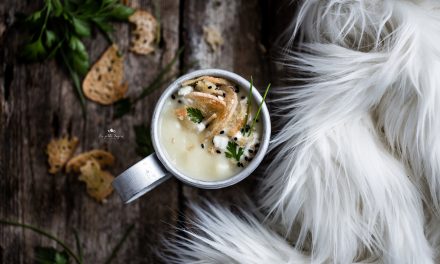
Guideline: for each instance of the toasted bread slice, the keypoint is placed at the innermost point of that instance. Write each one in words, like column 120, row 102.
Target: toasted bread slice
column 207, row 87
column 206, row 103
column 215, row 80
column 98, row 181
column 144, row 33
column 221, row 122
column 59, row 151
column 237, row 120
column 103, row 83
column 104, row 158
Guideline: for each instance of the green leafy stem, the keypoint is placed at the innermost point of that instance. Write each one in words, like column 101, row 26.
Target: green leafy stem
column 249, row 128
column 49, row 255
column 57, row 30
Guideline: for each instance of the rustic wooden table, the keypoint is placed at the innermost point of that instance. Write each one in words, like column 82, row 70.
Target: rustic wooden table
column 37, row 103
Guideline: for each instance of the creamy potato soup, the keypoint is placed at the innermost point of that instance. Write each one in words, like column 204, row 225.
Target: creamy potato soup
column 208, row 128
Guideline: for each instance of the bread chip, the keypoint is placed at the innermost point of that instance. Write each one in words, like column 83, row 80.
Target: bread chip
column 208, row 87
column 98, row 181
column 103, row 83
column 213, row 37
column 59, row 152
column 144, row 33
column 237, row 120
column 104, row 158
column 206, row 103
column 231, row 104
column 215, row 80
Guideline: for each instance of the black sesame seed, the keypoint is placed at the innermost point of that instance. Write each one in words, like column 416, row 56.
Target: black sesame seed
column 246, row 158
column 222, row 132
column 251, row 151
column 237, row 89
column 243, row 97
column 224, row 95
column 173, row 96
column 179, row 101
column 203, row 146
column 235, row 138
column 218, row 151
column 210, row 87
column 257, row 145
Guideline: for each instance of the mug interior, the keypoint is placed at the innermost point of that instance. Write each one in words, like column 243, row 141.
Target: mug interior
column 265, row 137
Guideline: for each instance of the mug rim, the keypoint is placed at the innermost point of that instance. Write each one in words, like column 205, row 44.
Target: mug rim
column 264, row 142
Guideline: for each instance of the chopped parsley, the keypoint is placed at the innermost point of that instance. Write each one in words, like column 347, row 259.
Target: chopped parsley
column 194, row 114
column 234, row 151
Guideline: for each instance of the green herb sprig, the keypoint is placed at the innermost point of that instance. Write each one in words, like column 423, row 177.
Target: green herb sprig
column 194, row 114
column 246, row 127
column 259, row 110
column 234, row 151
column 45, row 255
column 57, row 30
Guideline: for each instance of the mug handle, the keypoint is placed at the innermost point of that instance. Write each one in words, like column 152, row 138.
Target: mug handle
column 140, row 178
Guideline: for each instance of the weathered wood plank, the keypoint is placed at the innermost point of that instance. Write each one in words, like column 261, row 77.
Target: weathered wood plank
column 37, row 103
column 240, row 25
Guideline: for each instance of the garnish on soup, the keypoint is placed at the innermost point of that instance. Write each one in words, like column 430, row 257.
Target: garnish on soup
column 210, row 128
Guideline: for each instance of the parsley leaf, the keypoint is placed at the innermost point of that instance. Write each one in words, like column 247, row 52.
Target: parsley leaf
column 195, row 114
column 234, row 151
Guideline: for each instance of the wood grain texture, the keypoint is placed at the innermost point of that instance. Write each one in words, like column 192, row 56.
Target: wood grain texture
column 37, row 103
column 240, row 24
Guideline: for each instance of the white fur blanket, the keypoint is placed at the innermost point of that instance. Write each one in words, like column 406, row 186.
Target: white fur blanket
column 356, row 174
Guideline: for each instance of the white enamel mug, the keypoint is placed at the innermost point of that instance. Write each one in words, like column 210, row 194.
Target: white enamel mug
column 156, row 168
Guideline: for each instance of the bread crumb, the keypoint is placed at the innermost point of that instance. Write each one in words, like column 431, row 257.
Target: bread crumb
column 213, row 37
column 145, row 32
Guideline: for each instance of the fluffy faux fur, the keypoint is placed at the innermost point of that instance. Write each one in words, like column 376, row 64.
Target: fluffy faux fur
column 358, row 157
column 224, row 237
column 332, row 174
column 409, row 112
